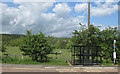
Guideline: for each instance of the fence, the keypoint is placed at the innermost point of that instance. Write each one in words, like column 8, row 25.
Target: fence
column 29, row 54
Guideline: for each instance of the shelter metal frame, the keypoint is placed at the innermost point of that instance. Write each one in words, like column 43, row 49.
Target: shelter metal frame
column 86, row 55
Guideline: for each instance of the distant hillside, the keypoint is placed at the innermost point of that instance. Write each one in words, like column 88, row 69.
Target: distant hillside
column 17, row 36
column 7, row 38
column 58, row 42
column 12, row 35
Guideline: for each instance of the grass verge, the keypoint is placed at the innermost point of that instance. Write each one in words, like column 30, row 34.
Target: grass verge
column 15, row 60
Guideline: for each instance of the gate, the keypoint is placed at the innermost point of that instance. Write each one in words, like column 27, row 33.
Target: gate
column 86, row 55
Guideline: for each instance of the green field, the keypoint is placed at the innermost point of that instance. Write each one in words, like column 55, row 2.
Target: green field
column 65, row 53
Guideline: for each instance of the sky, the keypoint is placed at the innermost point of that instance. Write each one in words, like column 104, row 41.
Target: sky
column 58, row 19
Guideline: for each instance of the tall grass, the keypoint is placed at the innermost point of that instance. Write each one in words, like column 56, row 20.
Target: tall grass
column 15, row 60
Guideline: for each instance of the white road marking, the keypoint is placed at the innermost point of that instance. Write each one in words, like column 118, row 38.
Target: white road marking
column 49, row 67
column 77, row 67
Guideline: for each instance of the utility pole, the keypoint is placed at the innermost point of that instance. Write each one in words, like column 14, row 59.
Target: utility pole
column 88, row 19
column 88, row 26
column 88, row 14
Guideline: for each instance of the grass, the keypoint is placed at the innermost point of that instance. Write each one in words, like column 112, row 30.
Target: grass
column 15, row 50
column 16, row 59
column 65, row 53
column 107, row 64
column 10, row 60
column 119, row 64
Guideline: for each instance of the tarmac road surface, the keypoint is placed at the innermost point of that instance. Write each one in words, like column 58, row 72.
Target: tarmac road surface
column 46, row 68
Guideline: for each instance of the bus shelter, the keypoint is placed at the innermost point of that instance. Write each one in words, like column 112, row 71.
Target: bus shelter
column 86, row 55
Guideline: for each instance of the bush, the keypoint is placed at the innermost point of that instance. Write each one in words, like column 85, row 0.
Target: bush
column 37, row 46
column 2, row 46
column 7, row 59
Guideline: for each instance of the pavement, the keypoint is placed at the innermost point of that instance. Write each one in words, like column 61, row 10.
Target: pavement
column 51, row 68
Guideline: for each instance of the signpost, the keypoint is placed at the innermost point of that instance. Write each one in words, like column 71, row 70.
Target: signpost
column 114, row 53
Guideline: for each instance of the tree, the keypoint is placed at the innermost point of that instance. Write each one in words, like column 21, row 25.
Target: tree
column 85, row 37
column 97, row 37
column 37, row 46
column 108, row 35
column 2, row 46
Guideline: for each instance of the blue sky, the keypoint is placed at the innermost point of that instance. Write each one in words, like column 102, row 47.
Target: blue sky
column 57, row 19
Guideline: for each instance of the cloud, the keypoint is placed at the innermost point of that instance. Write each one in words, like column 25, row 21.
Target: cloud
column 8, row 14
column 103, row 27
column 56, row 22
column 62, row 10
column 18, row 19
column 102, row 9
column 59, row 26
column 35, row 16
column 82, row 17
column 20, row 1
column 81, row 7
column 48, row 16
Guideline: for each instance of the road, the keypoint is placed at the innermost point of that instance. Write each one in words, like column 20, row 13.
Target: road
column 46, row 68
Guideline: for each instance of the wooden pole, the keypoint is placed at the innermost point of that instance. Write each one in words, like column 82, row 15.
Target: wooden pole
column 88, row 14
column 88, row 19
column 88, row 27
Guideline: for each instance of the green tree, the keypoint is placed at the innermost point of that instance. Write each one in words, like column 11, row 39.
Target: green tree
column 37, row 46
column 85, row 37
column 3, row 46
column 108, row 35
column 97, row 37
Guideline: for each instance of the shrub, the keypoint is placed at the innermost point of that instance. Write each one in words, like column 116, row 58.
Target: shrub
column 37, row 46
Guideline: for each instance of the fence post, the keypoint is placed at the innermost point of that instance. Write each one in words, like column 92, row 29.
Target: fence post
column 74, row 55
column 6, row 55
column 22, row 56
column 56, row 55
